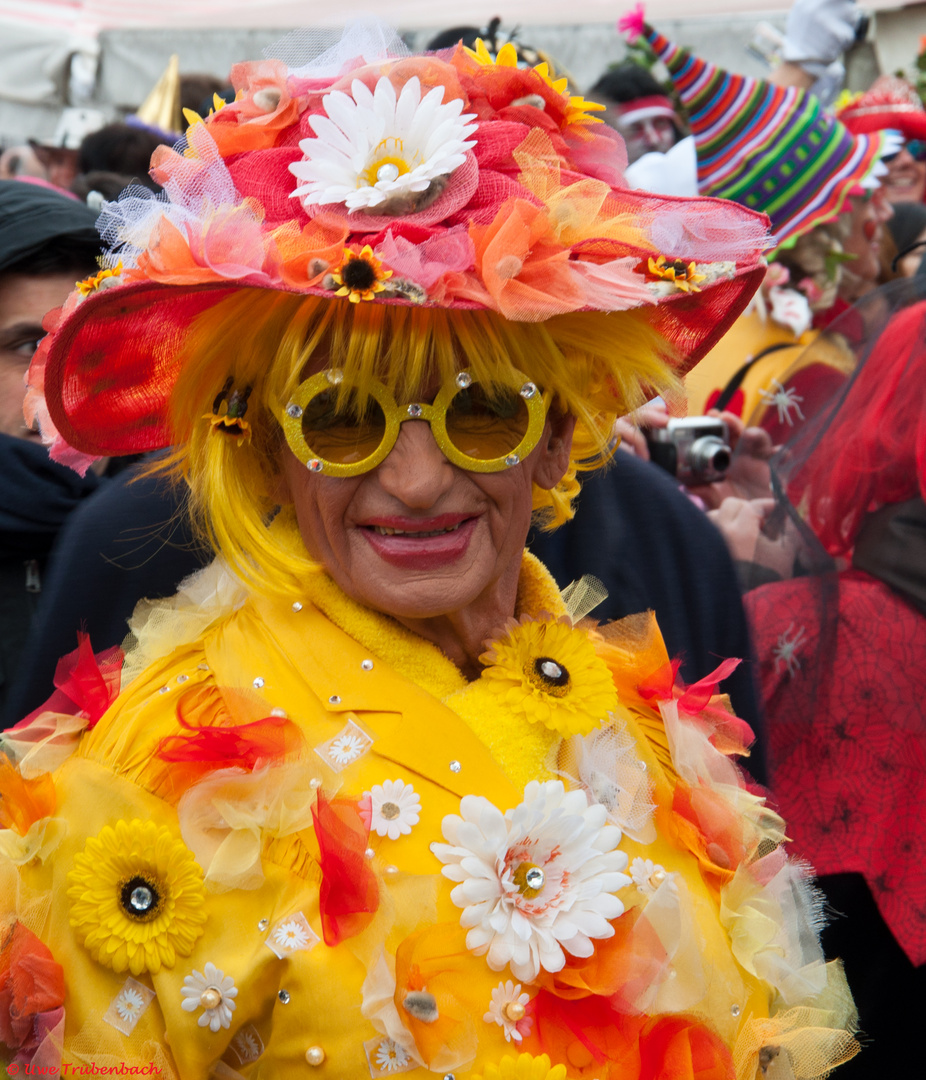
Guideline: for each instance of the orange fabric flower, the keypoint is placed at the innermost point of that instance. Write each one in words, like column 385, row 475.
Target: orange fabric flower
column 434, row 964
column 228, row 245
column 262, row 109
column 620, row 967
column 31, row 983
column 525, row 270
column 24, row 802
column 306, row 255
column 710, row 827
column 594, row 1041
column 681, row 1048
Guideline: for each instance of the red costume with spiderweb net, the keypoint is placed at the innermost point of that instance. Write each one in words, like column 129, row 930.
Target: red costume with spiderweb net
column 842, row 680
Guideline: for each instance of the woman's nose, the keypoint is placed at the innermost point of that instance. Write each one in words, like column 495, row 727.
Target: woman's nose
column 415, row 471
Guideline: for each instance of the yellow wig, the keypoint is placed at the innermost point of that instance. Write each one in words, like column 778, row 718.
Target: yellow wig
column 597, row 366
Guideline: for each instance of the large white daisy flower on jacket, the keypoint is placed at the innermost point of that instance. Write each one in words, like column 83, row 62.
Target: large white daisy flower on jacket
column 535, row 882
column 373, row 146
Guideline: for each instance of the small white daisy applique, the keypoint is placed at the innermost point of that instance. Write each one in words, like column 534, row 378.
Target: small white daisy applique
column 128, row 1006
column 385, row 1057
column 507, row 1009
column 647, row 875
column 247, row 1045
column 348, row 746
column 212, row 991
column 391, row 808
column 292, row 934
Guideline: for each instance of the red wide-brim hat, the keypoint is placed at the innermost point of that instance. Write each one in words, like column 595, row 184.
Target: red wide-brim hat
column 889, row 104
column 453, row 180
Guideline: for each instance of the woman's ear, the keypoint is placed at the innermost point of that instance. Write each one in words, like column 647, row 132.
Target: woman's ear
column 554, row 449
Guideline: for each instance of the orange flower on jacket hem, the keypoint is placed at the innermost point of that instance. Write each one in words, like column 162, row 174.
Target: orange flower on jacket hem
column 24, row 802
column 31, row 987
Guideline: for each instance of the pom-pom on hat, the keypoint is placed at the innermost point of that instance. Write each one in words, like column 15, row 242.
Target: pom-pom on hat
column 890, row 102
column 449, row 180
column 771, row 148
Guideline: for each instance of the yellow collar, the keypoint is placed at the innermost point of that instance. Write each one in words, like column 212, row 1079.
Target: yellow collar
column 407, row 653
column 522, row 749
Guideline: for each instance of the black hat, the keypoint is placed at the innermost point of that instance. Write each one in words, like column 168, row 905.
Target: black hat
column 31, row 215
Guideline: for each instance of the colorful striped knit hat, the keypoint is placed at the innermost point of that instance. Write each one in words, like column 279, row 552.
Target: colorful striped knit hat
column 770, row 148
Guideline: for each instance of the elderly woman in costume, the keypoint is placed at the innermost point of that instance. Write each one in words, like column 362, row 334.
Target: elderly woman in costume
column 372, row 798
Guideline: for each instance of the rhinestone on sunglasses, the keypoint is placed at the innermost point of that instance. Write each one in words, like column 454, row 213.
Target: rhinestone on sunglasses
column 294, row 410
column 314, row 465
column 464, row 379
column 528, row 390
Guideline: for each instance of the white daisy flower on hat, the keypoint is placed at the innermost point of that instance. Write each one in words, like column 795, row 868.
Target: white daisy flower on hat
column 536, row 882
column 375, row 145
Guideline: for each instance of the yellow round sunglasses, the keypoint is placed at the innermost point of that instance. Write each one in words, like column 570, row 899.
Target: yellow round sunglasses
column 477, row 429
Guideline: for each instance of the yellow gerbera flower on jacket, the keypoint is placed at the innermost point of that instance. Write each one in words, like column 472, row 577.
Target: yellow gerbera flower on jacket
column 522, row 1067
column 549, row 672
column 136, row 897
column 360, row 275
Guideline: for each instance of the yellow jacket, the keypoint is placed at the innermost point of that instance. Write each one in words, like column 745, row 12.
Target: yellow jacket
column 235, row 859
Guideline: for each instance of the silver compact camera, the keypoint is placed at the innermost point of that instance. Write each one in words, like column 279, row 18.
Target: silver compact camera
column 695, row 450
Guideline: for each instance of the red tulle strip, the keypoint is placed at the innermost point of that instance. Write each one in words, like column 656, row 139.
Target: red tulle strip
column 31, row 984
column 696, row 697
column 246, row 746
column 86, row 683
column 349, row 893
column 729, row 734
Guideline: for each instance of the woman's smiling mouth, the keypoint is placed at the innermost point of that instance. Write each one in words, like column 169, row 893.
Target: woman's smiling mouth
column 423, row 543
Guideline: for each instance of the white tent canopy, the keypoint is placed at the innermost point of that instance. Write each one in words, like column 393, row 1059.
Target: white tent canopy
column 107, row 54
column 251, row 14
